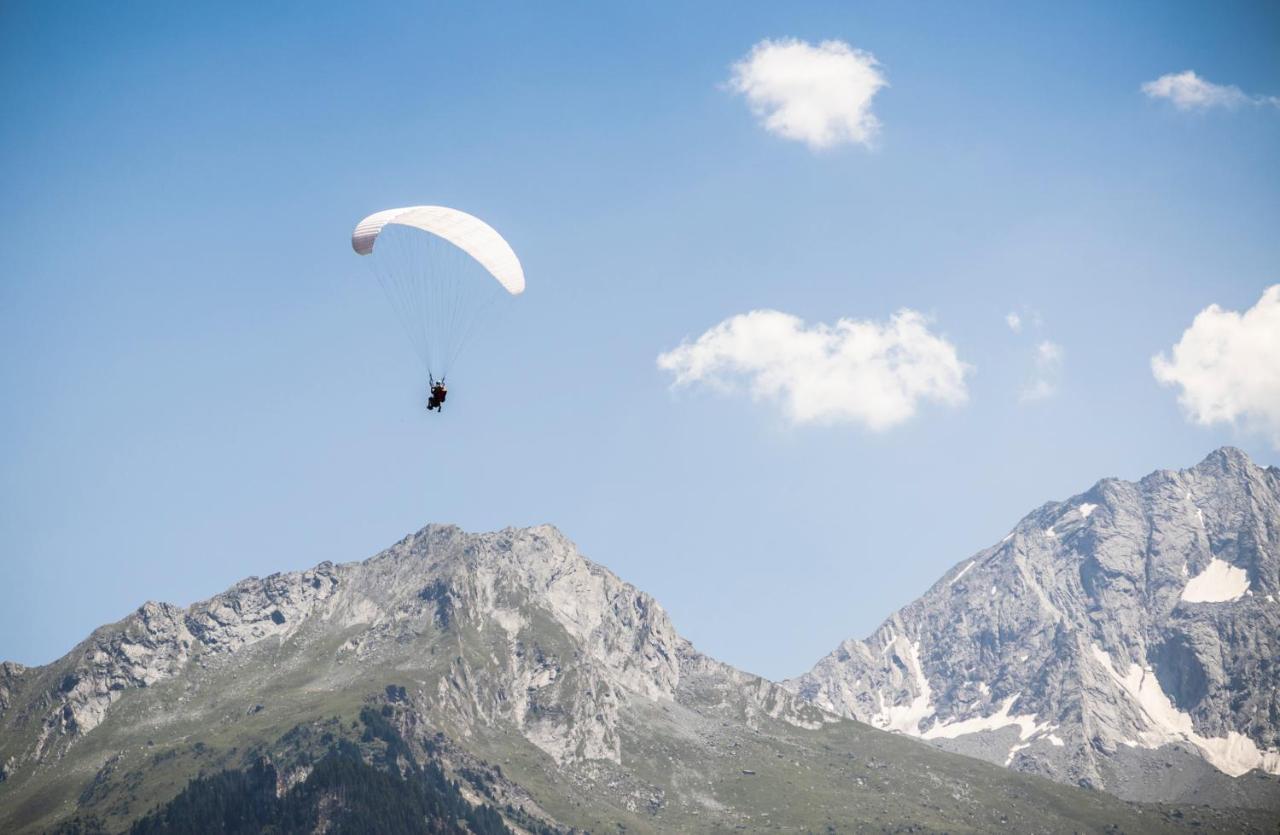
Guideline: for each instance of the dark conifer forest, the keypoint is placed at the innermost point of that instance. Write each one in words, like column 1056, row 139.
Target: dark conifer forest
column 342, row 795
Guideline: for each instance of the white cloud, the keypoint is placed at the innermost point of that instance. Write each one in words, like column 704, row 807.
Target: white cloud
column 855, row 371
column 1048, row 353
column 1014, row 321
column 819, row 95
column 1189, row 91
column 1227, row 365
column 1048, row 370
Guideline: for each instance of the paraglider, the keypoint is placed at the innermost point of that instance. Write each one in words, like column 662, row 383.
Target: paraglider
column 438, row 394
column 441, row 270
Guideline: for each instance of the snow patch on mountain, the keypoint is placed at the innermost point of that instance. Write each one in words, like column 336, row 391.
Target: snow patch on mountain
column 1234, row 754
column 1220, row 582
column 1025, row 723
column 963, row 572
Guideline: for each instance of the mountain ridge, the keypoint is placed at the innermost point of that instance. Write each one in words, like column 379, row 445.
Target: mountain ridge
column 1132, row 618
column 505, row 654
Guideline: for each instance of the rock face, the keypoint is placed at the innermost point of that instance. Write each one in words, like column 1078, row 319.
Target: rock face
column 506, row 655
column 623, row 639
column 1126, row 639
column 509, row 633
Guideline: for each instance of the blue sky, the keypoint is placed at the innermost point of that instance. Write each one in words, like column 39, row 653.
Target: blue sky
column 202, row 382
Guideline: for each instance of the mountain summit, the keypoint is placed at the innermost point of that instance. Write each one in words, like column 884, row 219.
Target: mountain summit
column 1124, row 639
column 503, row 671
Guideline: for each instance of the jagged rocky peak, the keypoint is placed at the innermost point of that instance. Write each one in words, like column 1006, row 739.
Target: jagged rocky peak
column 514, row 581
column 620, row 627
column 254, row 609
column 1130, row 626
column 541, row 563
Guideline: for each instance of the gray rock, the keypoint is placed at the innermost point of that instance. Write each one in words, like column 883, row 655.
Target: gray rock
column 623, row 644
column 517, row 657
column 1125, row 639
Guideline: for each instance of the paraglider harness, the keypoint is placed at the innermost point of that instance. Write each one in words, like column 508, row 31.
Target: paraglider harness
column 438, row 394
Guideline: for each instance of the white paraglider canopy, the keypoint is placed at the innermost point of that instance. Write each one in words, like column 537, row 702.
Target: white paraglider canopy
column 441, row 269
column 467, row 232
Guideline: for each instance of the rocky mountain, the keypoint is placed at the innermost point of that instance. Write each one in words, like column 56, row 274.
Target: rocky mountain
column 507, row 669
column 1126, row 639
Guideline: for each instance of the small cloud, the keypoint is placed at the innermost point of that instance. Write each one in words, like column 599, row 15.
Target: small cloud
column 819, row 95
column 1189, row 91
column 1046, row 358
column 1048, row 364
column 1227, row 365
column 1048, row 353
column 856, row 371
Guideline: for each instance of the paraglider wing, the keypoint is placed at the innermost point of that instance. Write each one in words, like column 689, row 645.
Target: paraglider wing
column 441, row 270
column 467, row 232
